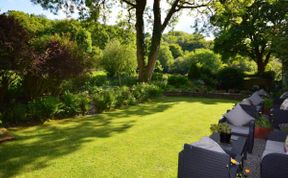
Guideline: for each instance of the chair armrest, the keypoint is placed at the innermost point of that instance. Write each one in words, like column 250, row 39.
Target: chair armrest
column 222, row 120
column 274, row 165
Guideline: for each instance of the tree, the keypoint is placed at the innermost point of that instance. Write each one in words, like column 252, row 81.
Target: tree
column 14, row 53
column 118, row 59
column 247, row 28
column 165, row 57
column 138, row 7
column 59, row 59
column 188, row 42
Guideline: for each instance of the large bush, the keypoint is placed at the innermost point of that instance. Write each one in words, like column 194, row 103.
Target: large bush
column 118, row 59
column 197, row 72
column 177, row 80
column 204, row 58
column 44, row 108
column 230, row 78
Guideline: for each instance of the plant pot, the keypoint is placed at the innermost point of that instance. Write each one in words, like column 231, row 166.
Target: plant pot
column 225, row 138
column 262, row 132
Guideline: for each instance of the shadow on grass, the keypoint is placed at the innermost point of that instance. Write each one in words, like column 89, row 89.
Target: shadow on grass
column 36, row 147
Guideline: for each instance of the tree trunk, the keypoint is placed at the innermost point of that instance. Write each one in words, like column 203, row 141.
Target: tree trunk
column 260, row 67
column 140, row 39
column 156, row 39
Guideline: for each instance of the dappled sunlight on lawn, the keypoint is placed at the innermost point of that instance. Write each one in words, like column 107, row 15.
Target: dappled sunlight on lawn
column 131, row 135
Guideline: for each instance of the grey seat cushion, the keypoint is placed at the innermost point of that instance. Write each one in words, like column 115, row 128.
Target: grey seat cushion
column 239, row 130
column 273, row 147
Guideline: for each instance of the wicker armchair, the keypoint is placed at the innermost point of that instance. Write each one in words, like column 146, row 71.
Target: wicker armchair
column 195, row 162
column 274, row 164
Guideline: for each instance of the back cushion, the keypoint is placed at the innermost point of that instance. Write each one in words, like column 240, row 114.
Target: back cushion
column 284, row 105
column 250, row 109
column 262, row 92
column 246, row 101
column 284, row 95
column 255, row 99
column 238, row 117
column 208, row 144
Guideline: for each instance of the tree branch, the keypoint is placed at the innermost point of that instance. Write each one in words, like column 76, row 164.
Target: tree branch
column 169, row 15
column 129, row 3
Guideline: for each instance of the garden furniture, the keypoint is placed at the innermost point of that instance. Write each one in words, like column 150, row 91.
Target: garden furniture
column 237, row 145
column 197, row 162
column 274, row 163
column 279, row 114
column 246, row 130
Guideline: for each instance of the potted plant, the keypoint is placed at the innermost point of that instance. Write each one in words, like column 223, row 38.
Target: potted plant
column 268, row 103
column 224, row 131
column 262, row 127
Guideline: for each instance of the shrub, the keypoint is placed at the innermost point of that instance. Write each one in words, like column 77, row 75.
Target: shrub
column 230, row 78
column 269, row 75
column 177, row 80
column 143, row 91
column 71, row 104
column 119, row 60
column 194, row 71
column 84, row 102
column 14, row 114
column 104, row 100
column 124, row 96
column 44, row 108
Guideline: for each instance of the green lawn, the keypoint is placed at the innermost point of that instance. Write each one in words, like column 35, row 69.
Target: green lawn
column 138, row 141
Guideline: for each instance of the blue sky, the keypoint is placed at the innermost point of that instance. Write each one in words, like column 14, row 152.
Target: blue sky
column 184, row 23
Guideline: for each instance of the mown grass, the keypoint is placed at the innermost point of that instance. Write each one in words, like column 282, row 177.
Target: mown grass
column 138, row 141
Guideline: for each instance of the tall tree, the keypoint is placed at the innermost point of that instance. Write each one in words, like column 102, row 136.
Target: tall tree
column 139, row 8
column 247, row 28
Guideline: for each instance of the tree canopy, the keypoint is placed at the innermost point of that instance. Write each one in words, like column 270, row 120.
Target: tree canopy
column 247, row 28
column 137, row 10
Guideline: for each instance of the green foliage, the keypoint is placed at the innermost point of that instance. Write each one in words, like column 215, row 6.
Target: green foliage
column 14, row 114
column 181, row 66
column 118, row 59
column 188, row 42
column 220, row 128
column 270, row 75
column 176, row 50
column 104, row 100
column 124, row 96
column 143, row 91
column 44, row 108
column 71, row 104
column 268, row 103
column 84, row 102
column 165, row 57
column 243, row 63
column 263, row 122
column 230, row 78
column 194, row 71
column 204, row 58
column 177, row 80
column 244, row 29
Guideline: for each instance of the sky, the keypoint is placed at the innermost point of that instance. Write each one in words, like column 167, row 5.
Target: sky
column 184, row 24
